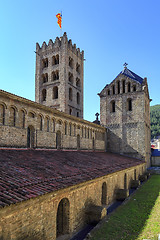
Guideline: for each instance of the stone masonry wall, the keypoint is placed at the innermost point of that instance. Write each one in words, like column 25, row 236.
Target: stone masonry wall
column 36, row 218
column 128, row 130
column 17, row 115
column 69, row 70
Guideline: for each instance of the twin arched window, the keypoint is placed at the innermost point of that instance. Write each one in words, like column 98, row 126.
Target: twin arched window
column 55, row 60
column 113, row 105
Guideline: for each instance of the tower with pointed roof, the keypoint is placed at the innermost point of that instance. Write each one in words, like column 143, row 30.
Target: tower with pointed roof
column 59, row 76
column 125, row 111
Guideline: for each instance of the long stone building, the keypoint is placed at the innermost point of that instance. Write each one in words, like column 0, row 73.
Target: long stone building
column 58, row 171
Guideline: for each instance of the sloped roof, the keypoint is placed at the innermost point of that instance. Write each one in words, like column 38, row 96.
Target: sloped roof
column 128, row 73
column 26, row 174
column 131, row 75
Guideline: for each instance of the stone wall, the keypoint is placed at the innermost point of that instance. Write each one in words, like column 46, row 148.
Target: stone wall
column 24, row 123
column 37, row 218
column 127, row 117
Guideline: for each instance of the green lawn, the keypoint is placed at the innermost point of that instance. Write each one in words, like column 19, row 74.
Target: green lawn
column 138, row 219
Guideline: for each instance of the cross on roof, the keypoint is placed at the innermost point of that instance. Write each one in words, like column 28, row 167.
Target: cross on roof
column 97, row 114
column 125, row 65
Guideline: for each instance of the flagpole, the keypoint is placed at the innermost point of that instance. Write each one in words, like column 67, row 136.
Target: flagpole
column 61, row 27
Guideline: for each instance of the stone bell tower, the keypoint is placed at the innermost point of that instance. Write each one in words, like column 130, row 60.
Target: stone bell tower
column 125, row 111
column 59, row 76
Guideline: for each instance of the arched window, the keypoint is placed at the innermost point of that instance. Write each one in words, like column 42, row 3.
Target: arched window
column 77, row 114
column 44, row 93
column 2, row 114
column 112, row 107
column 70, row 77
column 113, row 89
column 47, row 124
column 65, row 128
column 118, row 87
column 129, row 104
column 31, row 114
column 55, row 60
column 123, row 84
column 55, row 75
column 78, row 98
column 40, row 122
column 134, row 88
column 22, row 119
column 53, row 125
column 71, row 62
column 77, row 82
column 70, row 94
column 108, row 92
column 70, row 129
column 78, row 68
column 12, row 116
column 55, row 92
column 82, row 131
column 45, row 78
column 63, row 217
column 45, row 63
column 70, row 111
column 129, row 87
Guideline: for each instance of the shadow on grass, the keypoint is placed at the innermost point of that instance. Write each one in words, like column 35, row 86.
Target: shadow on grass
column 129, row 220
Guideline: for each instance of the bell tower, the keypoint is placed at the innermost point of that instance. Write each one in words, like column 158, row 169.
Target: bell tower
column 59, row 76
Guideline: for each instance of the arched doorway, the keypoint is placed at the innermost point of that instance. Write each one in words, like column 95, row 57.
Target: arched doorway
column 30, row 137
column 63, row 217
column 78, row 141
column 104, row 194
column 58, row 139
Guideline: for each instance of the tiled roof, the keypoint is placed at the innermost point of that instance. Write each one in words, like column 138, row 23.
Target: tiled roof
column 25, row 174
column 131, row 75
column 127, row 73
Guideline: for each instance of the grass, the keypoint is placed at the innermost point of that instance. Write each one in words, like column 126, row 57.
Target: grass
column 138, row 219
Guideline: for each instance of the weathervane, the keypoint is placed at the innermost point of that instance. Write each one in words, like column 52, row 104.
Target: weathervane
column 125, row 65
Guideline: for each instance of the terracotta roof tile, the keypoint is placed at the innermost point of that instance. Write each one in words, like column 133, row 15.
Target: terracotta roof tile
column 26, row 174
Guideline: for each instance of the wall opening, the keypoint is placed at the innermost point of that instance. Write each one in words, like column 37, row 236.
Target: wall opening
column 2, row 114
column 58, row 139
column 55, row 92
column 63, row 217
column 104, row 194
column 30, row 137
column 78, row 141
column 125, row 181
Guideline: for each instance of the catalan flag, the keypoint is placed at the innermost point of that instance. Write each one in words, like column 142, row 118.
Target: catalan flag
column 59, row 17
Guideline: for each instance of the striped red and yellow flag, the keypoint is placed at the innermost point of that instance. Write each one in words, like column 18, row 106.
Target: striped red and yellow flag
column 59, row 17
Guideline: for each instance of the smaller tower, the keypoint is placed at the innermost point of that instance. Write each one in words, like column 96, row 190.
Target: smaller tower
column 125, row 111
column 59, row 76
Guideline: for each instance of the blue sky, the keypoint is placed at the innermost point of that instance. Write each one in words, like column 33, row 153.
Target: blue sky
column 109, row 32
